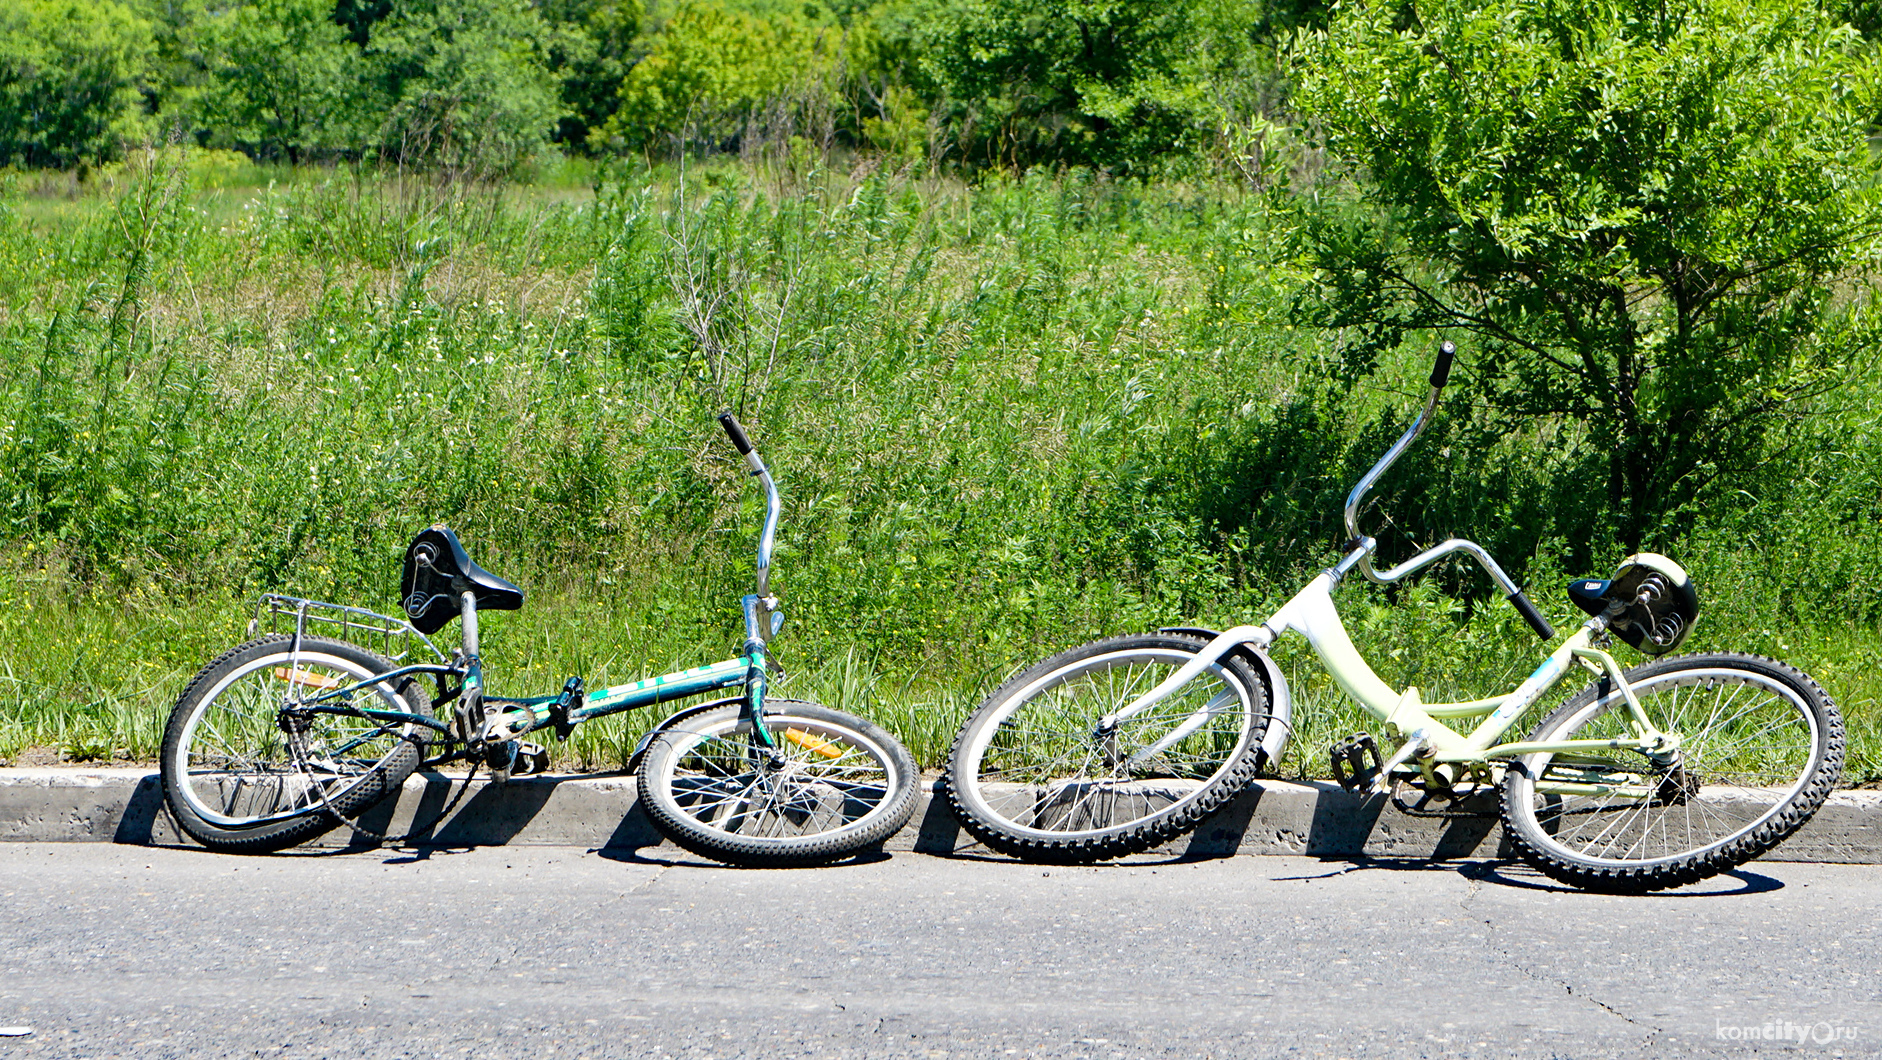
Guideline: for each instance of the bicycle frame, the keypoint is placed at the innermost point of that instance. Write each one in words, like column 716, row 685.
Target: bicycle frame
column 508, row 719
column 1426, row 740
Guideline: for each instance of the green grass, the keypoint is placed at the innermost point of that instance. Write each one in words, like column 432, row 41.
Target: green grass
column 1006, row 418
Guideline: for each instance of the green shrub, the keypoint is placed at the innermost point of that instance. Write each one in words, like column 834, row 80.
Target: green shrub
column 1654, row 221
column 711, row 70
column 282, row 78
column 1121, row 85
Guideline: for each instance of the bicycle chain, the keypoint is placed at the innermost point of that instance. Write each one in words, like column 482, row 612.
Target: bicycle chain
column 1399, row 786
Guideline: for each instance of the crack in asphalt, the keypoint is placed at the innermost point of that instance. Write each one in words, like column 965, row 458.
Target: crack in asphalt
column 1355, row 867
column 647, row 884
column 1463, row 904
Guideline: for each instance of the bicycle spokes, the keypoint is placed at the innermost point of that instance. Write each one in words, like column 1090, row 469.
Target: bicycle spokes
column 812, row 782
column 1746, row 745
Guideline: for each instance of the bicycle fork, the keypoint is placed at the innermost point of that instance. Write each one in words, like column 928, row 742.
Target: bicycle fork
column 760, row 612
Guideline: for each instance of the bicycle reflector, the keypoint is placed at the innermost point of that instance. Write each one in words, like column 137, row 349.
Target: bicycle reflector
column 1653, row 598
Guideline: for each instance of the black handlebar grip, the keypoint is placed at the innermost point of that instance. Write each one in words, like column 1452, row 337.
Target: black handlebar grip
column 1442, row 370
column 1531, row 615
column 736, row 433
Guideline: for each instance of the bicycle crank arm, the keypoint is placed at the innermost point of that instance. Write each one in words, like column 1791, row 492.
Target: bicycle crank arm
column 1412, row 748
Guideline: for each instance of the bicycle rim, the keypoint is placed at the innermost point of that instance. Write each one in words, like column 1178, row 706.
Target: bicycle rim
column 238, row 768
column 827, row 781
column 1751, row 766
column 1036, row 765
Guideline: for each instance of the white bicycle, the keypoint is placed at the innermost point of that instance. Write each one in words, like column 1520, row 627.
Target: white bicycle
column 1652, row 777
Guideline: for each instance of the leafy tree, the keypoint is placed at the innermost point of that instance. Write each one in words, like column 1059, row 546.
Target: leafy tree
column 70, row 72
column 1643, row 209
column 174, row 72
column 1865, row 16
column 1107, row 82
column 358, row 17
column 597, row 43
column 878, row 58
column 281, row 77
column 463, row 83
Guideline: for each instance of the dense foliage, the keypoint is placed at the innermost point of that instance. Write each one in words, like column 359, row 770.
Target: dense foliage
column 1140, row 87
column 69, row 76
column 1642, row 211
column 485, row 85
column 277, row 78
column 1056, row 319
column 1006, row 417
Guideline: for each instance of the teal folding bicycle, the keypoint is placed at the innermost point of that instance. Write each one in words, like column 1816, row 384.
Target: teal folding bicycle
column 1651, row 777
column 292, row 734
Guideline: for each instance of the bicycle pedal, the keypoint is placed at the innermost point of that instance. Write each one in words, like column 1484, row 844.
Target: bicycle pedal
column 572, row 698
column 1356, row 761
column 531, row 758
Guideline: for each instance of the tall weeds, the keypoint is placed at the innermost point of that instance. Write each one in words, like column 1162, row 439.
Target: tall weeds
column 1005, row 419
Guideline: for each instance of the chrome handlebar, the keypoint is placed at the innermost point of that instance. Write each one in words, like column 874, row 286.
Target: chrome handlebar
column 768, row 538
column 1361, row 558
column 1360, row 547
column 761, row 619
column 1366, row 482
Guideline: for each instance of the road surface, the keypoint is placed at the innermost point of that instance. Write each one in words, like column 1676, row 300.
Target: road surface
column 110, row 950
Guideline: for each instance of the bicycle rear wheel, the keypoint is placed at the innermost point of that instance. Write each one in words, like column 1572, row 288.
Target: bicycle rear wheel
column 1036, row 772
column 836, row 785
column 1760, row 745
column 242, row 774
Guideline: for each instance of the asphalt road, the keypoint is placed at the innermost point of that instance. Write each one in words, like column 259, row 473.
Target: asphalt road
column 110, row 951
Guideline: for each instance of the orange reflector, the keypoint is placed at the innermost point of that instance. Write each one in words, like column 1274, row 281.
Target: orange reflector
column 812, row 742
column 302, row 677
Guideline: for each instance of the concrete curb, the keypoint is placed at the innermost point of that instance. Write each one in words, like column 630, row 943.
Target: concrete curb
column 601, row 812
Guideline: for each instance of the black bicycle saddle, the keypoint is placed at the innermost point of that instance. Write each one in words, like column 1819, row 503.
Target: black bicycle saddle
column 438, row 572
column 1658, row 604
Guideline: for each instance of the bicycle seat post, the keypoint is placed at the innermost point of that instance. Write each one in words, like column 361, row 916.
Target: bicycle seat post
column 467, row 603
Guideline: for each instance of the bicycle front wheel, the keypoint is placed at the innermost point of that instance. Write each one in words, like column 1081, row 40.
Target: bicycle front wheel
column 1045, row 771
column 1759, row 746
column 835, row 785
column 244, row 770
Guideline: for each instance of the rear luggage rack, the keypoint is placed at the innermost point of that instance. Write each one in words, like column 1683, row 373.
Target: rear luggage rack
column 292, row 615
